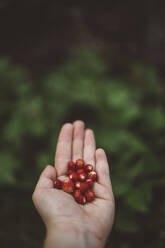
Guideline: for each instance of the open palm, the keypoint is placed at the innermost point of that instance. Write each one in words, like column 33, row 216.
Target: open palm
column 56, row 206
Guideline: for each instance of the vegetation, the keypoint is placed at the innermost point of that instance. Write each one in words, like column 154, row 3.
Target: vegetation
column 127, row 115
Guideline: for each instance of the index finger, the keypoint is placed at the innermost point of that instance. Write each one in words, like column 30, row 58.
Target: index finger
column 64, row 149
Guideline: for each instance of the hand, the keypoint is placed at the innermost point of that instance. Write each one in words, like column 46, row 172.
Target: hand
column 91, row 222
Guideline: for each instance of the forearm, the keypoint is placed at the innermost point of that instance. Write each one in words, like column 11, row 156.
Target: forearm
column 65, row 236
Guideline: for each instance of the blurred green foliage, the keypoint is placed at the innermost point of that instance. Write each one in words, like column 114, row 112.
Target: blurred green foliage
column 126, row 113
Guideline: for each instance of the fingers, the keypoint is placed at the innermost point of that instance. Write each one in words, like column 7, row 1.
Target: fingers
column 46, row 178
column 78, row 140
column 89, row 147
column 102, row 169
column 64, row 149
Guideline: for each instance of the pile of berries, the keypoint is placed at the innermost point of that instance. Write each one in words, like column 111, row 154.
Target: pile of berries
column 78, row 181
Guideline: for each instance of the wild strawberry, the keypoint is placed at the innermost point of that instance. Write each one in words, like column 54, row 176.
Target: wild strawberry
column 90, row 182
column 92, row 175
column 73, row 176
column 83, row 186
column 79, row 180
column 79, row 171
column 69, row 172
column 90, row 196
column 88, row 168
column 58, row 184
column 67, row 184
column 77, row 185
column 82, row 176
column 80, row 163
column 81, row 199
column 71, row 165
column 77, row 193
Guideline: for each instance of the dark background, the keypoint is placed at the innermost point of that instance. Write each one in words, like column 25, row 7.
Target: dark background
column 41, row 34
column 38, row 40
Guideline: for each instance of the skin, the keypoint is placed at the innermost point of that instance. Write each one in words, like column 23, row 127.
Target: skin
column 67, row 222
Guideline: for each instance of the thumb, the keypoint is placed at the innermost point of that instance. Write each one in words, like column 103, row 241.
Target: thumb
column 46, row 178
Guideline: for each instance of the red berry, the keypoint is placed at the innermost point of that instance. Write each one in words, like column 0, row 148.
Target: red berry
column 92, row 175
column 77, row 193
column 83, row 186
column 58, row 184
column 90, row 196
column 81, row 199
column 77, row 185
column 73, row 176
column 68, row 187
column 82, row 176
column 69, row 172
column 88, row 168
column 80, row 163
column 71, row 165
column 79, row 171
column 90, row 182
column 67, row 184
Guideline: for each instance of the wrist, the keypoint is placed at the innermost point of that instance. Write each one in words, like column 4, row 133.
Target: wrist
column 70, row 235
